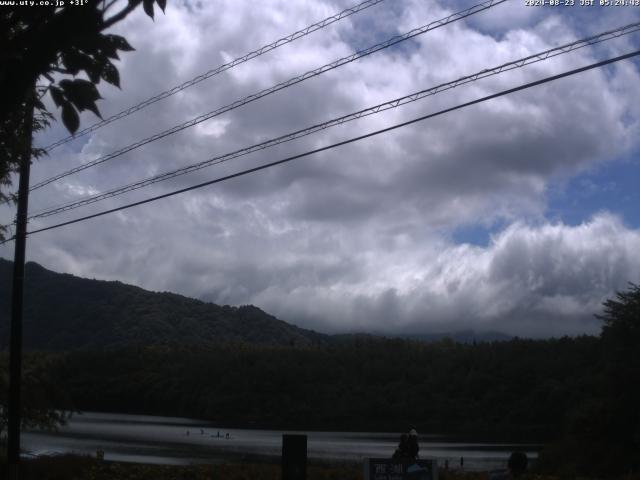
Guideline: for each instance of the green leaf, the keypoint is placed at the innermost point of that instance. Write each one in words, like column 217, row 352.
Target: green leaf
column 110, row 74
column 38, row 152
column 107, row 47
column 74, row 61
column 39, row 105
column 118, row 43
column 70, row 117
column 57, row 96
column 162, row 4
column 90, row 44
column 82, row 93
column 71, row 62
column 94, row 73
column 80, row 90
column 148, row 7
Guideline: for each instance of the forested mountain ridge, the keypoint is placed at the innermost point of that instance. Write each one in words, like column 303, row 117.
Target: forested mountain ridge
column 65, row 312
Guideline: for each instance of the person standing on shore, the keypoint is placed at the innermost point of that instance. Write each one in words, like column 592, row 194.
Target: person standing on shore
column 402, row 452
column 412, row 444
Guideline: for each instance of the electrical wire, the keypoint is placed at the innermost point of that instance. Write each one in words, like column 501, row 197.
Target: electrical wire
column 538, row 57
column 222, row 68
column 288, row 83
column 338, row 144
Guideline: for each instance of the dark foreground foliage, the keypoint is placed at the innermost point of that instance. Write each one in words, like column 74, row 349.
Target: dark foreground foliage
column 602, row 432
column 71, row 467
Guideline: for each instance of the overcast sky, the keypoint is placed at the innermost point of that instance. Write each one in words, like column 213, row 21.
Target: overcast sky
column 519, row 214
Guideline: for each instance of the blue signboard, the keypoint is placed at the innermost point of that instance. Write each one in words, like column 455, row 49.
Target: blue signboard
column 389, row 469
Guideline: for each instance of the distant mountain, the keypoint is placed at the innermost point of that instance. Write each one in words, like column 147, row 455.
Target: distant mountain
column 462, row 336
column 65, row 312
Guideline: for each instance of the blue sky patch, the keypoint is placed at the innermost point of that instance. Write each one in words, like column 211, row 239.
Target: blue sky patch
column 613, row 187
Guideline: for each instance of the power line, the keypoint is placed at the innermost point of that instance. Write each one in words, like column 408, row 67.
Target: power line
column 345, row 142
column 222, row 68
column 288, row 83
column 538, row 57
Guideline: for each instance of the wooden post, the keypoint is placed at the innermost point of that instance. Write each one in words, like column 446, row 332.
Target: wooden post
column 15, row 345
column 294, row 457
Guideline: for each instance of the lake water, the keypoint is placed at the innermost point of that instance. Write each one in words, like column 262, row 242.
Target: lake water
column 169, row 440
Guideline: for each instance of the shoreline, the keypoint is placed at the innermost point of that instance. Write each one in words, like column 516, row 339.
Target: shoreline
column 164, row 440
column 520, row 435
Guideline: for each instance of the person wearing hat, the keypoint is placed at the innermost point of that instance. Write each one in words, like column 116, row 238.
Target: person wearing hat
column 412, row 444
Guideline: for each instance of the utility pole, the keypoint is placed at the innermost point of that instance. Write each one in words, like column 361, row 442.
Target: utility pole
column 15, row 346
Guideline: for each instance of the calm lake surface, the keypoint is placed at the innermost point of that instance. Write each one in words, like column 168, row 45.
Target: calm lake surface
column 169, row 440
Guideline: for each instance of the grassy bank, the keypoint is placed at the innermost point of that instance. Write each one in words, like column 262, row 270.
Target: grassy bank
column 75, row 467
column 72, row 467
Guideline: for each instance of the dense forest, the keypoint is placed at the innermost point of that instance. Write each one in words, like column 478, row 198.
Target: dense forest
column 520, row 388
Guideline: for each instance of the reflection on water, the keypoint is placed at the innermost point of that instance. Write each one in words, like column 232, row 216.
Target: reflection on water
column 170, row 440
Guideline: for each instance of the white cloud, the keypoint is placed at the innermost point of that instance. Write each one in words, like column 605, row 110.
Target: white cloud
column 531, row 280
